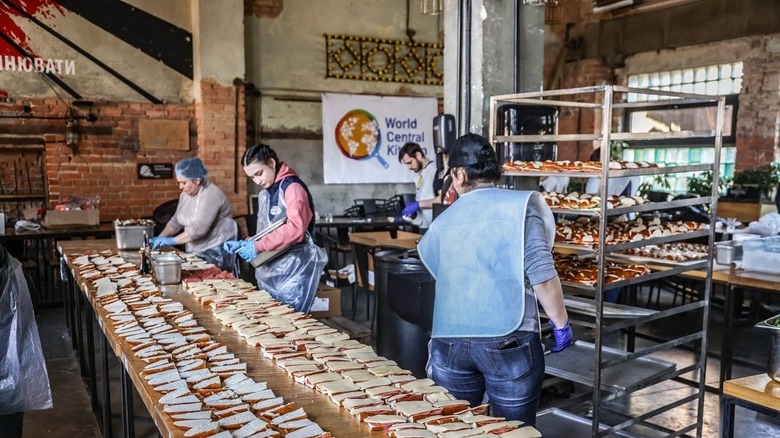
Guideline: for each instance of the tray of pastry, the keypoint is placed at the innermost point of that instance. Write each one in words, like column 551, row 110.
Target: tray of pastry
column 673, row 253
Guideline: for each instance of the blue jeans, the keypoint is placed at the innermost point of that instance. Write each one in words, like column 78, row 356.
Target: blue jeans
column 471, row 367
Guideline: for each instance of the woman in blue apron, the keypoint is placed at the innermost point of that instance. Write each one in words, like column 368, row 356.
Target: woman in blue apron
column 204, row 218
column 291, row 277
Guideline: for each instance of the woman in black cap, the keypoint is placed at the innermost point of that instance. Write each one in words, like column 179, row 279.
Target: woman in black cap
column 491, row 255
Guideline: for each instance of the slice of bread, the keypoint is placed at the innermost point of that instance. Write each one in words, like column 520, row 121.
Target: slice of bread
column 236, row 421
column 311, row 431
column 250, row 428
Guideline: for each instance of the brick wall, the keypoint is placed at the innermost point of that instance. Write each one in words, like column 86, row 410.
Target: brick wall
column 759, row 111
column 216, row 126
column 105, row 164
column 571, row 120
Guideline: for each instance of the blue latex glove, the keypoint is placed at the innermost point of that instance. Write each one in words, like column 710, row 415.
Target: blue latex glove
column 231, row 246
column 398, row 220
column 247, row 251
column 158, row 242
column 412, row 208
column 563, row 337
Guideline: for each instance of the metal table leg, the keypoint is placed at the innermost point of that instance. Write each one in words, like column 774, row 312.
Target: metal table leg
column 78, row 334
column 108, row 430
column 70, row 317
column 128, row 416
column 89, row 316
column 726, row 417
column 727, row 344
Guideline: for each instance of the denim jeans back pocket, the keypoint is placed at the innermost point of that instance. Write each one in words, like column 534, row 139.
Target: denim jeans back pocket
column 512, row 363
column 440, row 352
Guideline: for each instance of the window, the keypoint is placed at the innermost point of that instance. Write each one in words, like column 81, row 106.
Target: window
column 721, row 80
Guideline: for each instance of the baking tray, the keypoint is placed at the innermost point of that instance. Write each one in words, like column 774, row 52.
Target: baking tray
column 587, row 306
column 576, row 364
column 554, row 422
column 622, row 258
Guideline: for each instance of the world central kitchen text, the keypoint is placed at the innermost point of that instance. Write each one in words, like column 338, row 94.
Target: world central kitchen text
column 402, row 131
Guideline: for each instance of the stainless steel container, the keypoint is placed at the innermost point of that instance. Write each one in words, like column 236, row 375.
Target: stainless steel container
column 132, row 236
column 773, row 359
column 166, row 268
column 727, row 252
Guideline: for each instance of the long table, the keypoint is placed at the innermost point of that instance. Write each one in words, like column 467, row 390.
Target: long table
column 733, row 278
column 102, row 231
column 317, row 406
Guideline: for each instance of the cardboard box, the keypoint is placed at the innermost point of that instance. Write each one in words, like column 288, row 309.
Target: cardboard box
column 71, row 218
column 327, row 302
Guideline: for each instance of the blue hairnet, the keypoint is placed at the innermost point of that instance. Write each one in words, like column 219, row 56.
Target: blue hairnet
column 191, row 168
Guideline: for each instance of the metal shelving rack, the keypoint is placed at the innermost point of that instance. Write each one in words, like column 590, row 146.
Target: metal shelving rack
column 608, row 367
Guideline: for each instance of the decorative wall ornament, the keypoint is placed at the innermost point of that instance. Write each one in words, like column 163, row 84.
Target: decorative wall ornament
column 378, row 59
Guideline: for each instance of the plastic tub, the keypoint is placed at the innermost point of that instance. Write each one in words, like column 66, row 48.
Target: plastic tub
column 166, row 268
column 132, row 236
column 727, row 252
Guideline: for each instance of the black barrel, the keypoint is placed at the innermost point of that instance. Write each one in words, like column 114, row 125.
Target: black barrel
column 405, row 294
column 516, row 119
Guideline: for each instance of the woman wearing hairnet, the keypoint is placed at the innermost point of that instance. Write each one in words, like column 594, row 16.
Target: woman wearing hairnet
column 24, row 383
column 293, row 276
column 204, row 214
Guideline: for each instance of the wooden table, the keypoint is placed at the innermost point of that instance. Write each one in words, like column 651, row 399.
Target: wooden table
column 318, row 407
column 758, row 393
column 732, row 278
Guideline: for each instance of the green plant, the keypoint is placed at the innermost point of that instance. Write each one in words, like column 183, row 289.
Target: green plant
column 701, row 184
column 765, row 177
column 652, row 184
column 616, row 148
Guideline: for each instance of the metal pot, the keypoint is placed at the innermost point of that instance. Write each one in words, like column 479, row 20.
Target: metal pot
column 773, row 359
column 132, row 236
column 166, row 268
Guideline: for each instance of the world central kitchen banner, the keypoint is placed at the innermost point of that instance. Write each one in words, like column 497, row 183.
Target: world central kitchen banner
column 362, row 136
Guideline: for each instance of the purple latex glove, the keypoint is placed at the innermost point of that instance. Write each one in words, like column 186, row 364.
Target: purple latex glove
column 563, row 337
column 412, row 208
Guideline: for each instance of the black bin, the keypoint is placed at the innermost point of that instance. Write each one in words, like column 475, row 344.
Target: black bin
column 405, row 294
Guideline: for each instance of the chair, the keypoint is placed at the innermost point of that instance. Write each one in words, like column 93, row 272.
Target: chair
column 372, row 207
column 657, row 196
column 162, row 214
column 337, row 247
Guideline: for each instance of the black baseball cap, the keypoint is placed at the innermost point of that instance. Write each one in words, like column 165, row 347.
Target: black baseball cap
column 470, row 149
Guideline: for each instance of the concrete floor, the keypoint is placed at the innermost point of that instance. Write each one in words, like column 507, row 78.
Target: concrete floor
column 71, row 416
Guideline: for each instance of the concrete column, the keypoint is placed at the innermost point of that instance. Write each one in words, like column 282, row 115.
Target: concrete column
column 219, row 70
column 500, row 62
